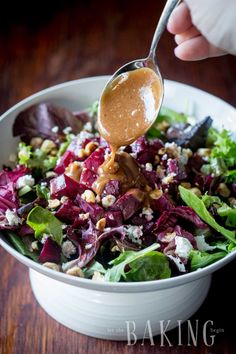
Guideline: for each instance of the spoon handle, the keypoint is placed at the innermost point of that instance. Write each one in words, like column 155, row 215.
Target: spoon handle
column 169, row 7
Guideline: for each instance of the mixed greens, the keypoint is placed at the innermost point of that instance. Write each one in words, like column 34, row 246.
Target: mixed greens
column 179, row 215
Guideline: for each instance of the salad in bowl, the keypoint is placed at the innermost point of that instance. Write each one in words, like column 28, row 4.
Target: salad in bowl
column 173, row 211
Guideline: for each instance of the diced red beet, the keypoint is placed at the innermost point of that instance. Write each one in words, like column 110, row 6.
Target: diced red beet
column 129, row 203
column 161, row 204
column 51, row 252
column 95, row 211
column 65, row 186
column 173, row 166
column 68, row 212
column 113, row 218
column 88, row 177
column 95, row 160
column 112, row 187
column 64, row 161
column 151, row 177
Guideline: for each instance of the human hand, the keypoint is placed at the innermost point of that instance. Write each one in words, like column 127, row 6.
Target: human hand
column 191, row 44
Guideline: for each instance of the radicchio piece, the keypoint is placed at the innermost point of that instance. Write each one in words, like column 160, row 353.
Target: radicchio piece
column 177, row 168
column 40, row 119
column 145, row 151
column 63, row 185
column 129, row 203
column 8, row 198
column 51, row 252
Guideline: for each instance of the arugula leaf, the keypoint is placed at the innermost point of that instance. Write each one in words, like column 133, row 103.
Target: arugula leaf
column 43, row 221
column 130, row 258
column 199, row 207
column 229, row 212
column 96, row 266
column 154, row 265
column 208, row 200
column 200, row 259
column 18, row 243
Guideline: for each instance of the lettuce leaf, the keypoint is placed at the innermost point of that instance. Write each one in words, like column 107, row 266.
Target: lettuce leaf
column 20, row 246
column 143, row 265
column 199, row 207
column 43, row 221
column 200, row 259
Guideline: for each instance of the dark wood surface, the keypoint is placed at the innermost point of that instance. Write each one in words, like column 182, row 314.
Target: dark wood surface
column 43, row 44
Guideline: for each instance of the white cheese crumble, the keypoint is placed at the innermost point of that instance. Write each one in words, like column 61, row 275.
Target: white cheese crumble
column 97, row 276
column 134, row 233
column 108, row 200
column 12, row 218
column 67, row 130
column 183, row 247
column 148, row 166
column 23, row 181
column 178, row 263
column 84, row 135
column 68, row 249
column 148, row 213
column 202, row 245
column 55, row 129
column 88, row 127
column 44, row 238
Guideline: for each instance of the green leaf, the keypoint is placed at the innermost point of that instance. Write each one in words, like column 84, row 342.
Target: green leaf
column 198, row 206
column 18, row 243
column 208, row 200
column 42, row 192
column 43, row 221
column 230, row 213
column 117, row 272
column 96, row 266
column 151, row 266
column 200, row 259
column 170, row 116
column 24, row 153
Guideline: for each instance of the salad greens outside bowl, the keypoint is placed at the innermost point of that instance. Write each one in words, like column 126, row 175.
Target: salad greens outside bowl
column 107, row 309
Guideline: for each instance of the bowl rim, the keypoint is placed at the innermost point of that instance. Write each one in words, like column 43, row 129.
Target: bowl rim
column 143, row 286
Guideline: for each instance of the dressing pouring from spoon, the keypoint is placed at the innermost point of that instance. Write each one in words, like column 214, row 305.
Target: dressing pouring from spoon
column 132, row 98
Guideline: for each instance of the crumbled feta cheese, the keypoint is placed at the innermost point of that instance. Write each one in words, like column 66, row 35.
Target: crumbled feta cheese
column 55, row 129
column 67, row 130
column 185, row 155
column 169, row 179
column 43, row 184
column 44, row 238
column 172, row 149
column 84, row 135
column 88, row 246
column 53, row 203
column 134, row 233
column 178, row 263
column 202, row 245
column 68, row 249
column 50, row 174
column 12, row 218
column 97, row 276
column 108, row 200
column 148, row 166
column 134, row 154
column 183, row 247
column 84, row 216
column 148, row 213
column 88, row 127
column 23, row 181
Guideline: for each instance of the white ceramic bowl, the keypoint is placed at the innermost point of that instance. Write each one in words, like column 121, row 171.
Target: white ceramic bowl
column 101, row 309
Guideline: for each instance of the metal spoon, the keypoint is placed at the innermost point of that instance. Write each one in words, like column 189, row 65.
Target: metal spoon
column 151, row 60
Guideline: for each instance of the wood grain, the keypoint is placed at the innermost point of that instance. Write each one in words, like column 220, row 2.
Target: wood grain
column 43, row 44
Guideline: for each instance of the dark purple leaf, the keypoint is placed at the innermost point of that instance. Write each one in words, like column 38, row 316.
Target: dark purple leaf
column 114, row 218
column 39, row 119
column 51, row 252
column 67, row 212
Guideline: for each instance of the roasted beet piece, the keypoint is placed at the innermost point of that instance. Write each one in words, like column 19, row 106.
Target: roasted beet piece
column 67, row 212
column 51, row 252
column 88, row 177
column 113, row 218
column 95, row 160
column 163, row 203
column 112, row 187
column 65, row 186
column 64, row 161
column 129, row 203
column 95, row 211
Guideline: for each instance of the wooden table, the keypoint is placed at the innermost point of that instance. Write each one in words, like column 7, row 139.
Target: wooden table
column 44, row 44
